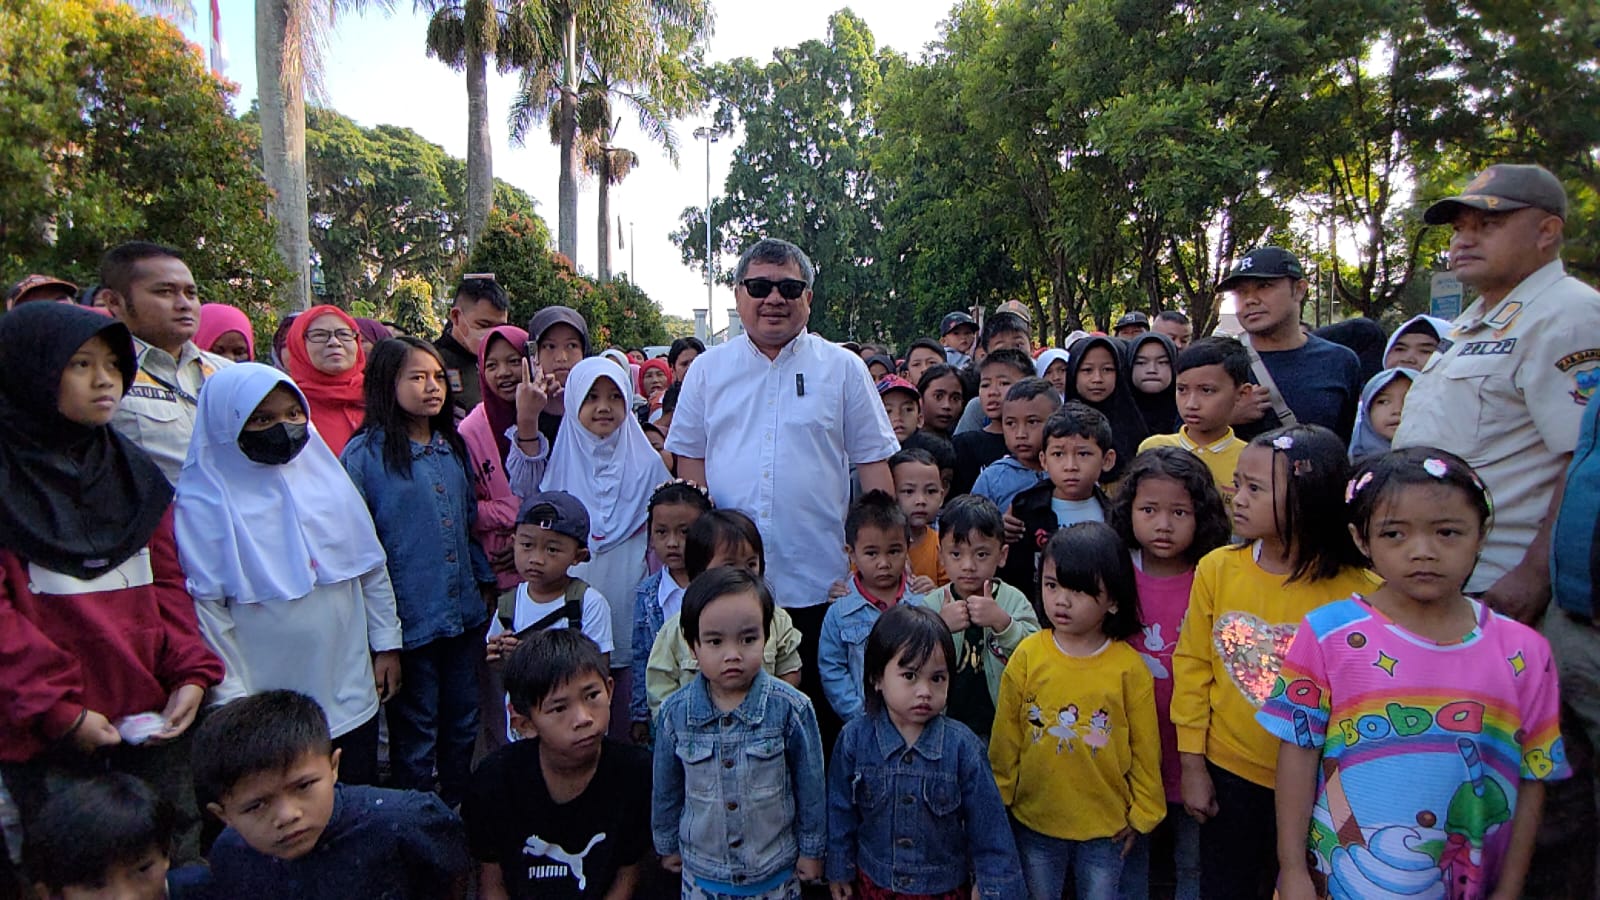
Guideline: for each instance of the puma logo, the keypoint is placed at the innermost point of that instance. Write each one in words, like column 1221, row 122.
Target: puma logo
column 536, row 846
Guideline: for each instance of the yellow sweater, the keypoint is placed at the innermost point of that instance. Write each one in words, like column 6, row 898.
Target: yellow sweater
column 1075, row 747
column 1239, row 626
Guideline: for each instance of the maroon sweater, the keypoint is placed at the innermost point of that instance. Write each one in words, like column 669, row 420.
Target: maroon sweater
column 118, row 651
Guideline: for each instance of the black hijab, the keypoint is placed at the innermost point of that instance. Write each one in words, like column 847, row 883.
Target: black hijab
column 1127, row 425
column 1159, row 410
column 73, row 499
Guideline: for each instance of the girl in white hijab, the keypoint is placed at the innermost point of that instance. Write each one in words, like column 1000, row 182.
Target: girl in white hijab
column 289, row 580
column 602, row 457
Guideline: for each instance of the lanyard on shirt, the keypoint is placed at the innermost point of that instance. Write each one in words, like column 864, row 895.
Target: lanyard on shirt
column 176, row 391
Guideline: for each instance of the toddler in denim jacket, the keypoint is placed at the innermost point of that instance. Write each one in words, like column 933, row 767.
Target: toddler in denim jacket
column 912, row 804
column 739, row 802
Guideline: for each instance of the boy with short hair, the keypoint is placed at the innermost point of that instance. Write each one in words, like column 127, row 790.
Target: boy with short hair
column 978, row 448
column 919, row 486
column 265, row 765
column 903, row 403
column 988, row 617
column 1077, row 449
column 565, row 811
column 109, row 836
column 552, row 536
column 1213, row 375
column 1028, row 405
column 877, row 537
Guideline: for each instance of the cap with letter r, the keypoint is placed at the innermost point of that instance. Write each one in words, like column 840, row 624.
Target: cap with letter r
column 556, row 511
column 1504, row 187
column 1263, row 263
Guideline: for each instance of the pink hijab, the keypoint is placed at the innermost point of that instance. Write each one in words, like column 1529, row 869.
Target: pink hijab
column 217, row 319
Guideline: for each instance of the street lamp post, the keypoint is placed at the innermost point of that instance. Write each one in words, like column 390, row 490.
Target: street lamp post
column 709, row 135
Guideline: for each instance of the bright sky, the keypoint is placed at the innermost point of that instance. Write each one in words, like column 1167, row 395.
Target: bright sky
column 378, row 72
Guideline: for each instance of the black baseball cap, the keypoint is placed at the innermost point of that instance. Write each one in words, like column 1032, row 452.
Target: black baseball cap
column 1128, row 320
column 1503, row 188
column 1263, row 263
column 556, row 511
column 956, row 320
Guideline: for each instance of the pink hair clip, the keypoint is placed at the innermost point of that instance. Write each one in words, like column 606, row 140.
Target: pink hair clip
column 1283, row 441
column 1355, row 486
column 1438, row 468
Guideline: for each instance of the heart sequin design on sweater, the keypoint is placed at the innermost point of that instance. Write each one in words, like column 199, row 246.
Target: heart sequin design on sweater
column 1252, row 650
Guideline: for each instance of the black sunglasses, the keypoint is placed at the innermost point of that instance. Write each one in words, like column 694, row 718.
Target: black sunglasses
column 788, row 288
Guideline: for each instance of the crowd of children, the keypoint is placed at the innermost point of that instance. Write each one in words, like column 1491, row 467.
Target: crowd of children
column 1094, row 643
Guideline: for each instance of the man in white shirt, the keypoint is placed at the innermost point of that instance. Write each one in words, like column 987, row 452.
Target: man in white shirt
column 148, row 287
column 771, row 422
column 1508, row 394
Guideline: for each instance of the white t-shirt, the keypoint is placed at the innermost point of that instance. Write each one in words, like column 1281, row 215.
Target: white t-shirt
column 596, row 618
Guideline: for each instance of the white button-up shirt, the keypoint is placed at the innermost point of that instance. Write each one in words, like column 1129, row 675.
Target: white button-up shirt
column 1507, row 396
column 778, row 437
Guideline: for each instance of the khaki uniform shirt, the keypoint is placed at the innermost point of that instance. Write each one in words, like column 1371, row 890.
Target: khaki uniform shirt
column 158, row 411
column 1507, row 395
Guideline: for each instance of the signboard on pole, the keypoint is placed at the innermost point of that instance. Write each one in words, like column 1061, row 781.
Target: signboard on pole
column 1444, row 296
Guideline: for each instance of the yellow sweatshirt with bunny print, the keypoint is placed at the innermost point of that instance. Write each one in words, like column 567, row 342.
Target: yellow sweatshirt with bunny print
column 1238, row 629
column 1075, row 746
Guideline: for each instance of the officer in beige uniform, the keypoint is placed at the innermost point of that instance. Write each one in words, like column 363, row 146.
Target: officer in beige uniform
column 150, row 290
column 1508, row 394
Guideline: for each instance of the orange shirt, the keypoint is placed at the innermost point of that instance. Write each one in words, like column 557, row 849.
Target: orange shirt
column 924, row 555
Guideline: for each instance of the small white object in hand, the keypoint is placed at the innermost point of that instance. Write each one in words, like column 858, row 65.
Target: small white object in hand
column 141, row 727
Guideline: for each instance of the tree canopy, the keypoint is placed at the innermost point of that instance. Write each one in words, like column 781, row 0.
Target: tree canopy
column 1094, row 156
column 112, row 130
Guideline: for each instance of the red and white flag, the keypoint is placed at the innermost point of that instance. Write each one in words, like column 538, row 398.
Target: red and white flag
column 217, row 61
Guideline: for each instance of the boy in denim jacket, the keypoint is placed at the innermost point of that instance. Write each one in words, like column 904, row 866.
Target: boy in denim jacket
column 739, row 805
column 878, row 540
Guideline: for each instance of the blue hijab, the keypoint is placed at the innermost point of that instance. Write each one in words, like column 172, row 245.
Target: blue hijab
column 1364, row 441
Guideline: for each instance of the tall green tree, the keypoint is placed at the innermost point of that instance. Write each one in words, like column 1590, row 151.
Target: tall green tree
column 464, row 35
column 646, row 43
column 112, row 130
column 386, row 204
column 803, row 172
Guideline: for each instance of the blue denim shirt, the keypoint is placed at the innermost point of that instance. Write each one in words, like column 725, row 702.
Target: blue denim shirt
column 842, row 646
column 739, row 795
column 1005, row 478
column 924, row 819
column 647, row 621
column 424, row 523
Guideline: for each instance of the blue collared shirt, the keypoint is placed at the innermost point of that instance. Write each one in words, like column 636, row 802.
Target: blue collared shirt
column 924, row 819
column 379, row 845
column 842, row 646
column 424, row 523
column 740, row 795
column 1005, row 478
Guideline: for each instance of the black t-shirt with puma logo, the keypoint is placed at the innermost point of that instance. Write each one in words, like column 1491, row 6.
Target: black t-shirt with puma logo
column 557, row 851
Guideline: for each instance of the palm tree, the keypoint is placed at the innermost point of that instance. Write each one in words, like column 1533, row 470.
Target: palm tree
column 290, row 36
column 648, row 44
column 463, row 34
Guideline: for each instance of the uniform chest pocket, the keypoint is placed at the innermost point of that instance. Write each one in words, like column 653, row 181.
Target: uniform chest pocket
column 1482, row 395
column 766, row 768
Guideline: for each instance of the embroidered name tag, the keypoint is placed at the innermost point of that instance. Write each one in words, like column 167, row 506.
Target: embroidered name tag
column 152, row 393
column 1489, row 348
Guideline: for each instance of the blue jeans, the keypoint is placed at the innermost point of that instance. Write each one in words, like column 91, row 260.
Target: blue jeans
column 433, row 721
column 1096, row 865
column 1178, row 833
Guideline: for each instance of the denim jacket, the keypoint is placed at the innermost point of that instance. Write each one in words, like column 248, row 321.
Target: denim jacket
column 424, row 523
column 739, row 795
column 919, row 820
column 647, row 621
column 842, row 646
